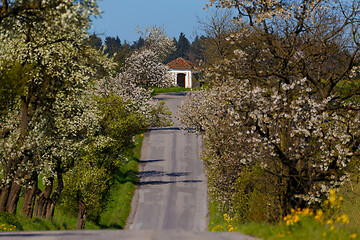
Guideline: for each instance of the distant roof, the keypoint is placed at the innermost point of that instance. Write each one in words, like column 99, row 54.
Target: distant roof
column 180, row 63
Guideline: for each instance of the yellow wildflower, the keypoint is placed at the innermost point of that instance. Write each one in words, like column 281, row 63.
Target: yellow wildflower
column 332, row 191
column 319, row 215
column 296, row 218
column 352, row 236
column 332, row 200
column 329, row 222
column 345, row 219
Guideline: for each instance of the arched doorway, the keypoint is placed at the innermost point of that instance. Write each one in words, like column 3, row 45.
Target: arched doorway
column 180, row 81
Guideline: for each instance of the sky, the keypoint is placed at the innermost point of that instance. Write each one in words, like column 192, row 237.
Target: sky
column 122, row 17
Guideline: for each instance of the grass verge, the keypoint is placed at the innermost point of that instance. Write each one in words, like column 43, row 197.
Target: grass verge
column 351, row 204
column 169, row 90
column 306, row 227
column 122, row 192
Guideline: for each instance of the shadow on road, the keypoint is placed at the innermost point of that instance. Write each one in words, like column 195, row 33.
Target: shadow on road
column 151, row 161
column 168, row 182
column 155, row 173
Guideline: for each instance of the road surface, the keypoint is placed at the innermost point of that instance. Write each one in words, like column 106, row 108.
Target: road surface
column 122, row 235
column 172, row 193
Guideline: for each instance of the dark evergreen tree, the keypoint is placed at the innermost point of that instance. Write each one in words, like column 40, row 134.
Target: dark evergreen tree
column 197, row 49
column 138, row 44
column 95, row 41
column 120, row 56
column 182, row 48
column 112, row 45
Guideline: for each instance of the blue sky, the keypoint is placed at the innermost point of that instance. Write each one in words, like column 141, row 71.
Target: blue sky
column 121, row 17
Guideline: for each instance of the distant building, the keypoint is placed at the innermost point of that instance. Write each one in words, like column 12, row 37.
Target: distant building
column 181, row 74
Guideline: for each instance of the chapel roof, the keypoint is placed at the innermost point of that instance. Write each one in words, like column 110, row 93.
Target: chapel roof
column 180, row 63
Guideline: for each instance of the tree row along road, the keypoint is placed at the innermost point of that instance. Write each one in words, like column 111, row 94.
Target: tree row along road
column 171, row 199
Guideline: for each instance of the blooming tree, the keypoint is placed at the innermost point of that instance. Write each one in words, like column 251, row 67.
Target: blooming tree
column 144, row 67
column 284, row 108
column 47, row 38
column 157, row 40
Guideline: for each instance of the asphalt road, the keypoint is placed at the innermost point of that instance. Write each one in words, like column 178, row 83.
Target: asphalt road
column 122, row 235
column 172, row 193
column 171, row 200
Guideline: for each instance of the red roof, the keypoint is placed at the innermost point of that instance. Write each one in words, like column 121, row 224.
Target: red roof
column 180, row 63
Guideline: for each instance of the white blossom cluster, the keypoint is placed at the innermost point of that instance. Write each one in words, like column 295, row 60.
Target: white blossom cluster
column 144, row 68
column 157, row 40
column 55, row 137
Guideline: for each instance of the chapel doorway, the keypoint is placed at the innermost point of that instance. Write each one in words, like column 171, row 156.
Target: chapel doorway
column 180, row 81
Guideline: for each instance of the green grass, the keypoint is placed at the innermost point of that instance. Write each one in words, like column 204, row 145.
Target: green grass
column 23, row 223
column 350, row 191
column 169, row 90
column 122, row 192
column 114, row 217
column 306, row 229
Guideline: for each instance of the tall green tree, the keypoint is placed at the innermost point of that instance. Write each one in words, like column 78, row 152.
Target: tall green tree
column 112, row 45
column 95, row 41
column 182, row 46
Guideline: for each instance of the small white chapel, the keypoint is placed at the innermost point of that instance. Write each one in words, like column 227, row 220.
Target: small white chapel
column 180, row 70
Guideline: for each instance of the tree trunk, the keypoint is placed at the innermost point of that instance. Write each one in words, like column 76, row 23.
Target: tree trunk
column 43, row 201
column 10, row 192
column 29, row 197
column 10, row 174
column 13, row 199
column 4, row 196
column 55, row 196
column 81, row 216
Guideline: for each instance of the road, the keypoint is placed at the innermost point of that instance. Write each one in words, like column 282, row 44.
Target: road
column 173, row 192
column 171, row 199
